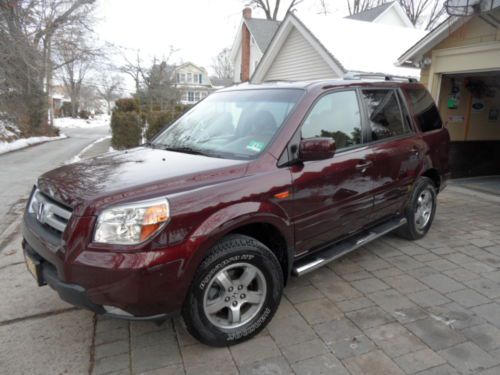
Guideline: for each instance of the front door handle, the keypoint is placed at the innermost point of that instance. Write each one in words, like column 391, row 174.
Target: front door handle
column 364, row 165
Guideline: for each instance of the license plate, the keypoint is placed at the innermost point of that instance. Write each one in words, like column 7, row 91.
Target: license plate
column 33, row 266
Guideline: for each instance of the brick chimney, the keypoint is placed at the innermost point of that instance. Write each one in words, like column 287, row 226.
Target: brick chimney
column 245, row 47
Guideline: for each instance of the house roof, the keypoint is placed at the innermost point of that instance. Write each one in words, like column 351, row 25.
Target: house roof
column 415, row 53
column 262, row 31
column 351, row 45
column 372, row 14
column 221, row 82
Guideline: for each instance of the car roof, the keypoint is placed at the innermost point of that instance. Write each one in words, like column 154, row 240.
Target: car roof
column 326, row 84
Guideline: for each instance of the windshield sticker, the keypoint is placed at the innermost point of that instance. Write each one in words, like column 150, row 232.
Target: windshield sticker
column 255, row 146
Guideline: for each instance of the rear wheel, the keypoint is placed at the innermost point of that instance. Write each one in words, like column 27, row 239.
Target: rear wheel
column 420, row 210
column 235, row 293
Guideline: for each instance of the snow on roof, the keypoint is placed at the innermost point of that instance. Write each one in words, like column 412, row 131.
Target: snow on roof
column 371, row 14
column 364, row 46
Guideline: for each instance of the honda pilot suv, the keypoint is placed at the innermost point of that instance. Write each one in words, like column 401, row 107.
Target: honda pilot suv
column 255, row 184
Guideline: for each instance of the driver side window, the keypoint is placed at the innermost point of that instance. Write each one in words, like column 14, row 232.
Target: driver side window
column 337, row 116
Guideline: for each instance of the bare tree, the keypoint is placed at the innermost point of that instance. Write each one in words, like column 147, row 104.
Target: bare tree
column 221, row 64
column 110, row 89
column 134, row 68
column 271, row 9
column 76, row 58
column 27, row 30
column 323, row 7
column 423, row 12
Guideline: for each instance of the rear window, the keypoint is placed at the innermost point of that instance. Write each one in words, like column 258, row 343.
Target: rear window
column 425, row 110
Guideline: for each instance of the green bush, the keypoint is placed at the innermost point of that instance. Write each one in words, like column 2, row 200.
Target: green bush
column 157, row 120
column 126, row 128
column 127, row 105
column 84, row 114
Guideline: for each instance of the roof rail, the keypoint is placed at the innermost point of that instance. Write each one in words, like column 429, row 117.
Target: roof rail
column 378, row 77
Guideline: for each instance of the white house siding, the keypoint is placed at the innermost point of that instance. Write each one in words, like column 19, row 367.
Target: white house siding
column 298, row 60
column 255, row 55
column 237, row 66
column 391, row 17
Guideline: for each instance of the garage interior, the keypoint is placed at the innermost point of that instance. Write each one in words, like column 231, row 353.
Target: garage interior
column 470, row 106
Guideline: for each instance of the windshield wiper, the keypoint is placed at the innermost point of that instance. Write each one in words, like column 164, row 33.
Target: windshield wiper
column 183, row 149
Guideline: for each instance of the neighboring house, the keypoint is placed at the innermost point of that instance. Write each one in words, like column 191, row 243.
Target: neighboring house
column 250, row 43
column 389, row 14
column 319, row 47
column 460, row 65
column 59, row 97
column 193, row 82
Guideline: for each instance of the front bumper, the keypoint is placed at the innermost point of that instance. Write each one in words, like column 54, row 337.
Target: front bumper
column 131, row 285
column 72, row 293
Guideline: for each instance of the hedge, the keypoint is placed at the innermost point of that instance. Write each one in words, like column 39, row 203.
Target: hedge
column 126, row 128
column 157, row 120
column 127, row 122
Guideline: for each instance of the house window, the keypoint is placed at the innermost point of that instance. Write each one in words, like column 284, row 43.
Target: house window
column 189, row 78
column 197, row 96
column 183, row 78
column 190, row 96
column 200, row 80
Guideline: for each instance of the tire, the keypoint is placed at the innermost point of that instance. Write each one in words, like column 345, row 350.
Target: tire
column 238, row 274
column 420, row 210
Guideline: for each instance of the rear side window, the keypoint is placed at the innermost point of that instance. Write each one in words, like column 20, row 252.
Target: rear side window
column 336, row 116
column 425, row 110
column 384, row 114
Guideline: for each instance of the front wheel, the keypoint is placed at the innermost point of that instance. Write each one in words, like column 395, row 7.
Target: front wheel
column 420, row 210
column 235, row 293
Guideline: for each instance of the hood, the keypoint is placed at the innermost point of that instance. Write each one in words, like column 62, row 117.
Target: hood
column 137, row 172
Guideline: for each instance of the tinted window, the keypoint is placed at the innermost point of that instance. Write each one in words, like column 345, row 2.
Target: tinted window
column 384, row 114
column 336, row 116
column 425, row 110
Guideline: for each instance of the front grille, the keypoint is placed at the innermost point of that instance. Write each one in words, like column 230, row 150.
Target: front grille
column 49, row 213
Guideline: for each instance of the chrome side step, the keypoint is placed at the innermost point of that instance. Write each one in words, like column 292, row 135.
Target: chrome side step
column 322, row 257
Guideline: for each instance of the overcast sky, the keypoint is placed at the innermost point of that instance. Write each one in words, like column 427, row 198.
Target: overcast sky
column 199, row 29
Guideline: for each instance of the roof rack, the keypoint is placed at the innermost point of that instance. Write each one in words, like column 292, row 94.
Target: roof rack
column 378, row 77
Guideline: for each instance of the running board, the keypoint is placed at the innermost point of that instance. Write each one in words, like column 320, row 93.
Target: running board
column 322, row 257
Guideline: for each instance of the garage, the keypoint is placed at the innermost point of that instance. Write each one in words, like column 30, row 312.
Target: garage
column 460, row 65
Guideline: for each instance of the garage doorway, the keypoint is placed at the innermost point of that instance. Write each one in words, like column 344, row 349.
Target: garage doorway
column 470, row 106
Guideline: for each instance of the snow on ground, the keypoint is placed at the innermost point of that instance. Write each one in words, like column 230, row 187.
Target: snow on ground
column 8, row 130
column 78, row 157
column 26, row 142
column 69, row 122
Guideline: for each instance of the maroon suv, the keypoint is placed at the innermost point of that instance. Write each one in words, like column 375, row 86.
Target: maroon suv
column 254, row 184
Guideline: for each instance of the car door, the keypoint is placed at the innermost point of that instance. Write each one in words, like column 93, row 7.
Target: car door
column 332, row 197
column 396, row 151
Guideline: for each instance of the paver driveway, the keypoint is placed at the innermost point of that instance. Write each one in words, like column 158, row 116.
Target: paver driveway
column 430, row 307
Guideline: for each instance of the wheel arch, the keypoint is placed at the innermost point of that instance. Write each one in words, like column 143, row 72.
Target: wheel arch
column 266, row 222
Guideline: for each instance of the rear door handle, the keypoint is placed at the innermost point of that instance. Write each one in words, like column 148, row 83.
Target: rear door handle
column 364, row 165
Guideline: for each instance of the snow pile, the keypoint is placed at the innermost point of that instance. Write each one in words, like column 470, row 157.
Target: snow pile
column 8, row 131
column 26, row 142
column 69, row 122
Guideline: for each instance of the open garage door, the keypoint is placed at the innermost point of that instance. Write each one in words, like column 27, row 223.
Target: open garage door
column 470, row 106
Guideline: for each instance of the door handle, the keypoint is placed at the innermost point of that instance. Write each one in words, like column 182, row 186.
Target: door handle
column 364, row 165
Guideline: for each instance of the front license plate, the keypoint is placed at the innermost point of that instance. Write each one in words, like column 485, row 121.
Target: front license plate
column 34, row 267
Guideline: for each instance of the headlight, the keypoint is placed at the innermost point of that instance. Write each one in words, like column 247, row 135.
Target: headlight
column 133, row 223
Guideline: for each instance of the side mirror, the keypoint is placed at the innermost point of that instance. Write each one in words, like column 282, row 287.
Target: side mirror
column 316, row 149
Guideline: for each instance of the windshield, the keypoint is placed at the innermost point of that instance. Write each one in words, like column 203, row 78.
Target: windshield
column 231, row 124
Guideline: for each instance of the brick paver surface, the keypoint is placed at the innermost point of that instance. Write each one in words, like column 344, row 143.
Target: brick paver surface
column 393, row 307
column 429, row 307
